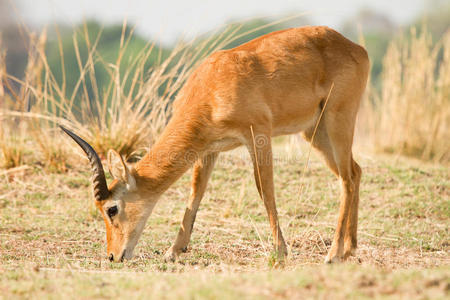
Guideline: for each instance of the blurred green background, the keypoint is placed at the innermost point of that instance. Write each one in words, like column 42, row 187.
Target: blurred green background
column 373, row 27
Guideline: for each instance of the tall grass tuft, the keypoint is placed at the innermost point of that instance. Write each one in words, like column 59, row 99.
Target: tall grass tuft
column 131, row 109
column 410, row 115
column 13, row 146
column 125, row 113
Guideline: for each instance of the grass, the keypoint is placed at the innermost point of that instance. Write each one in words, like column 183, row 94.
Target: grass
column 125, row 113
column 310, row 282
column 52, row 238
column 410, row 114
column 13, row 146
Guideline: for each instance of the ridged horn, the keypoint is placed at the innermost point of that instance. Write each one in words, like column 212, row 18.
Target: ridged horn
column 101, row 191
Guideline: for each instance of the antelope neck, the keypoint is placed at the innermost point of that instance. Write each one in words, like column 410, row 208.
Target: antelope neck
column 172, row 155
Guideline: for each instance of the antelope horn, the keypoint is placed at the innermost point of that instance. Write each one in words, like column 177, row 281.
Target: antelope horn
column 101, row 191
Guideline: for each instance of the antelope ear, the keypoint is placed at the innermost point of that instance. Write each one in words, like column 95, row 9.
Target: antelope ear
column 119, row 169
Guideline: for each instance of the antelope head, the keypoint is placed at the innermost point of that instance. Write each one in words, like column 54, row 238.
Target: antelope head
column 124, row 209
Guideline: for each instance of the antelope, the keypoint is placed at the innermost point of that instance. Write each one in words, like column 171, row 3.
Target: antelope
column 306, row 80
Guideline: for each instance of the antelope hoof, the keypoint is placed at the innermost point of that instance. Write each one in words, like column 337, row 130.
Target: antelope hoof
column 334, row 257
column 282, row 253
column 349, row 252
column 349, row 249
column 171, row 255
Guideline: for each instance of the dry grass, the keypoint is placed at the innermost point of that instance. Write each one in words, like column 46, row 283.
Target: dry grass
column 13, row 146
column 126, row 114
column 48, row 223
column 411, row 113
column 324, row 282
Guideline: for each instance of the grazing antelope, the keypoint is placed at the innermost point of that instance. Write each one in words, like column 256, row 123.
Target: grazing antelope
column 274, row 85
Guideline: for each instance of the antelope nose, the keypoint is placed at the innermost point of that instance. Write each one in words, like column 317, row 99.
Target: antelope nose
column 111, row 257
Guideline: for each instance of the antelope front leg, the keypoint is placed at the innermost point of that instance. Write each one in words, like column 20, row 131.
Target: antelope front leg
column 260, row 149
column 201, row 173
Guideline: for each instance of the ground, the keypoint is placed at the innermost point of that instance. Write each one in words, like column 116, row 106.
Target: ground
column 52, row 238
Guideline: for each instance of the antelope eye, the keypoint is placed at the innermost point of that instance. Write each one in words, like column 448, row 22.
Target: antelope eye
column 112, row 211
